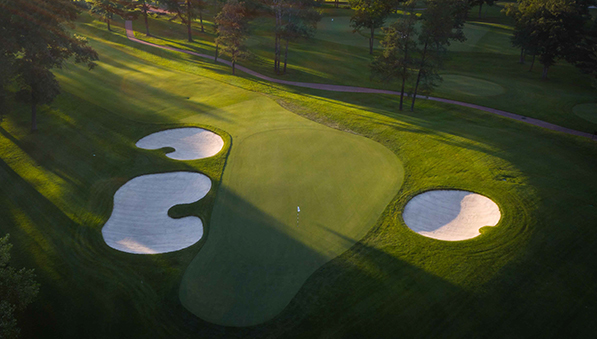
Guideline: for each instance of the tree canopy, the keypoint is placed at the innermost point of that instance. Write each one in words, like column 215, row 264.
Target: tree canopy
column 34, row 40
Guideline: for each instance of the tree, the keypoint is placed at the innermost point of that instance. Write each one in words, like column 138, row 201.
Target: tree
column 442, row 22
column 299, row 20
column 480, row 4
column 584, row 55
column 550, row 29
column 370, row 14
column 143, row 6
column 106, row 9
column 18, row 289
column 232, row 31
column 187, row 11
column 34, row 40
column 38, row 86
column 399, row 44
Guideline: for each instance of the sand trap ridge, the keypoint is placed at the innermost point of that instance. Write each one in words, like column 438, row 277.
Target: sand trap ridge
column 140, row 223
column 189, row 143
column 450, row 214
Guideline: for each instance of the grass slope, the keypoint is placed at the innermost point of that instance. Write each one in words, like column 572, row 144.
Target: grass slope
column 532, row 275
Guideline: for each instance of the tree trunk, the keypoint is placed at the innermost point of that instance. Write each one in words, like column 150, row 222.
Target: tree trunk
column 233, row 67
column 33, row 117
column 216, row 58
column 189, row 21
column 532, row 62
column 285, row 57
column 201, row 21
column 522, row 56
column 276, row 53
column 545, row 69
column 404, row 70
column 108, row 22
column 337, row 3
column 371, row 40
column 146, row 22
column 480, row 6
column 412, row 105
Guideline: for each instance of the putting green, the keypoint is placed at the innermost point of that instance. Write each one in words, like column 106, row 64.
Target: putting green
column 586, row 111
column 257, row 256
column 459, row 84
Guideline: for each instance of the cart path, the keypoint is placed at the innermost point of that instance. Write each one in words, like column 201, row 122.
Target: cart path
column 339, row 88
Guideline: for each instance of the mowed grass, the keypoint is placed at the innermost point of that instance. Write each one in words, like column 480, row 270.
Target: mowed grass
column 261, row 249
column 532, row 275
column 337, row 56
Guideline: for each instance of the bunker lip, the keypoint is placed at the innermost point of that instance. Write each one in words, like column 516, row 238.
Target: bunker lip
column 450, row 215
column 190, row 143
column 139, row 222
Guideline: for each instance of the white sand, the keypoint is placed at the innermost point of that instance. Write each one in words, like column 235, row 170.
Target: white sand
column 140, row 223
column 189, row 143
column 450, row 215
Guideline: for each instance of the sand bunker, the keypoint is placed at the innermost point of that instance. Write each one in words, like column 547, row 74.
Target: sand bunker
column 450, row 215
column 189, row 143
column 140, row 223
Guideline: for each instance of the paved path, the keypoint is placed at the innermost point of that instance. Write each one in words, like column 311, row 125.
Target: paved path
column 338, row 88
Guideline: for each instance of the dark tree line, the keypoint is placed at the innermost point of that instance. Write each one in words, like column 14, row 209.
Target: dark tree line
column 18, row 289
column 555, row 29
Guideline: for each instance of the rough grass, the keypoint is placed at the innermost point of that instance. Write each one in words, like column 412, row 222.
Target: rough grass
column 532, row 275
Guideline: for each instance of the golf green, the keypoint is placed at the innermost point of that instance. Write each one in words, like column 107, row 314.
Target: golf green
column 255, row 258
column 586, row 111
column 459, row 84
column 260, row 249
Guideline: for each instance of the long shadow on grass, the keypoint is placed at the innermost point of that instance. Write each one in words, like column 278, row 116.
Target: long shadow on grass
column 549, row 290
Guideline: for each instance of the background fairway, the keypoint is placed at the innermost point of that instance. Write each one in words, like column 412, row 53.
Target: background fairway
column 533, row 275
column 337, row 56
column 257, row 257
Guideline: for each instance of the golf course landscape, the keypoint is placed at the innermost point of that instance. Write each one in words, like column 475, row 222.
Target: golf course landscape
column 164, row 197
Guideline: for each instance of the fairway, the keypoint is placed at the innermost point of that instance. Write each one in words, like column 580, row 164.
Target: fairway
column 258, row 255
column 586, row 111
column 458, row 84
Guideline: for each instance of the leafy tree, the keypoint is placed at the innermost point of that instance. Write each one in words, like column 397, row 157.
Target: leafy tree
column 299, row 20
column 550, row 29
column 442, row 22
column 18, row 289
column 370, row 14
column 399, row 44
column 232, row 31
column 38, row 86
column 187, row 11
column 480, row 4
column 584, row 55
column 143, row 6
column 35, row 40
column 106, row 9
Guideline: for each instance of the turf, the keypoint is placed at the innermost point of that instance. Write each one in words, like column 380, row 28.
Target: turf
column 587, row 111
column 260, row 250
column 531, row 275
column 337, row 56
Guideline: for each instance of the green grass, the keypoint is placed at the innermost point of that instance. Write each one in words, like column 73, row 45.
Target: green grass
column 338, row 56
column 587, row 111
column 532, row 275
